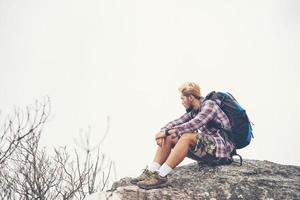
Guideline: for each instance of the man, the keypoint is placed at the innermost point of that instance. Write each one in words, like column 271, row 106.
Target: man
column 191, row 135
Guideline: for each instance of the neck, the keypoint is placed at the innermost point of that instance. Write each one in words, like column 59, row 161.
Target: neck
column 196, row 104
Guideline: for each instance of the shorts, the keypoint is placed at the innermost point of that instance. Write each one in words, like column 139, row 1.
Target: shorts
column 205, row 146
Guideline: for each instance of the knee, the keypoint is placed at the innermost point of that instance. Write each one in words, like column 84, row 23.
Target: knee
column 191, row 138
column 170, row 140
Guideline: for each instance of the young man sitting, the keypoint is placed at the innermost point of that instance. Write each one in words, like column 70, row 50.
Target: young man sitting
column 190, row 135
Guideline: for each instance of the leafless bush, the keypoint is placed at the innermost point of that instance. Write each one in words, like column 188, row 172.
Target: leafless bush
column 29, row 172
column 20, row 125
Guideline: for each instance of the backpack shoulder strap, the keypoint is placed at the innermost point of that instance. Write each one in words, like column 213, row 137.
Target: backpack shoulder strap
column 209, row 95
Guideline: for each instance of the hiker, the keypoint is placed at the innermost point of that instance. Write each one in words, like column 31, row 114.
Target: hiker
column 192, row 135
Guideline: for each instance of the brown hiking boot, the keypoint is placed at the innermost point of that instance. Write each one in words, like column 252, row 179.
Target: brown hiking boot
column 152, row 182
column 146, row 173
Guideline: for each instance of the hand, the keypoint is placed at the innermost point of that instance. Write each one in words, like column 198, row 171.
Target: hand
column 160, row 138
column 160, row 135
column 172, row 131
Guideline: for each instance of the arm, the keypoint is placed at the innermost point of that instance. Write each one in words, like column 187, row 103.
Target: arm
column 207, row 113
column 180, row 120
column 163, row 131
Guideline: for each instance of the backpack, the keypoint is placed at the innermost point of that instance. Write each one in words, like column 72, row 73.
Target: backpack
column 241, row 129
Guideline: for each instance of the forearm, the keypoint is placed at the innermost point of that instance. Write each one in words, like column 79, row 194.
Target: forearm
column 184, row 118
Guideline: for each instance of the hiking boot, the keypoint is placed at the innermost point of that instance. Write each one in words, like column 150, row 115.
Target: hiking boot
column 146, row 173
column 153, row 182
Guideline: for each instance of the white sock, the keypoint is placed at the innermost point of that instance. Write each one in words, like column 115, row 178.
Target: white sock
column 164, row 170
column 154, row 166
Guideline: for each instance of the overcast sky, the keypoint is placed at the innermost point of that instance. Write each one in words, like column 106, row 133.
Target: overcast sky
column 126, row 59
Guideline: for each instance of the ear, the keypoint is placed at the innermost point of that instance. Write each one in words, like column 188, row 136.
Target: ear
column 190, row 97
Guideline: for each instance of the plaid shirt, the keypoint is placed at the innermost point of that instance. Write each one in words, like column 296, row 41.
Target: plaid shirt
column 197, row 120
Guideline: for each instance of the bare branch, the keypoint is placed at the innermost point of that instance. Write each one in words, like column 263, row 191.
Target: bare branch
column 27, row 171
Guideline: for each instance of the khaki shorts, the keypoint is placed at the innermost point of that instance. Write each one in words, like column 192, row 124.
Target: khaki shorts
column 205, row 147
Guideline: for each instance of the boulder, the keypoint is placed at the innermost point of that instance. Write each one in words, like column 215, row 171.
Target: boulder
column 253, row 180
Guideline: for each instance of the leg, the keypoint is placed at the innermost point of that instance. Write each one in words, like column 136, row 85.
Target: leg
column 159, row 179
column 163, row 152
column 181, row 148
column 161, row 156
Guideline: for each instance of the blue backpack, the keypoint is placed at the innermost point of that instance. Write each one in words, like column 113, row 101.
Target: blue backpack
column 241, row 129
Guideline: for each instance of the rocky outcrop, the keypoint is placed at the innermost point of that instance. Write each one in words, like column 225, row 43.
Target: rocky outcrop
column 253, row 180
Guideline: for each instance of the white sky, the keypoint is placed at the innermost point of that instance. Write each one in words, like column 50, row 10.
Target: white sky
column 126, row 59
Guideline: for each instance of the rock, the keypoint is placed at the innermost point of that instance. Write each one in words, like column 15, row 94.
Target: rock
column 254, row 180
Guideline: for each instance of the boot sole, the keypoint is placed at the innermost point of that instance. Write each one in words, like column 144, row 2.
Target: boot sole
column 133, row 182
column 149, row 187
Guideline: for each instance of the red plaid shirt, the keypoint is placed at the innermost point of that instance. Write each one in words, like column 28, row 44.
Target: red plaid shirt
column 197, row 120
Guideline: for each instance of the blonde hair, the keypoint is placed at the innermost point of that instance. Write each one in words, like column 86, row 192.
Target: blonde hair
column 190, row 88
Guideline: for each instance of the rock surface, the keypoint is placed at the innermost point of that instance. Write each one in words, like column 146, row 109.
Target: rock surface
column 254, row 180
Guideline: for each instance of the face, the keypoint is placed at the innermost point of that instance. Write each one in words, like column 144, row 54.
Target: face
column 186, row 101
